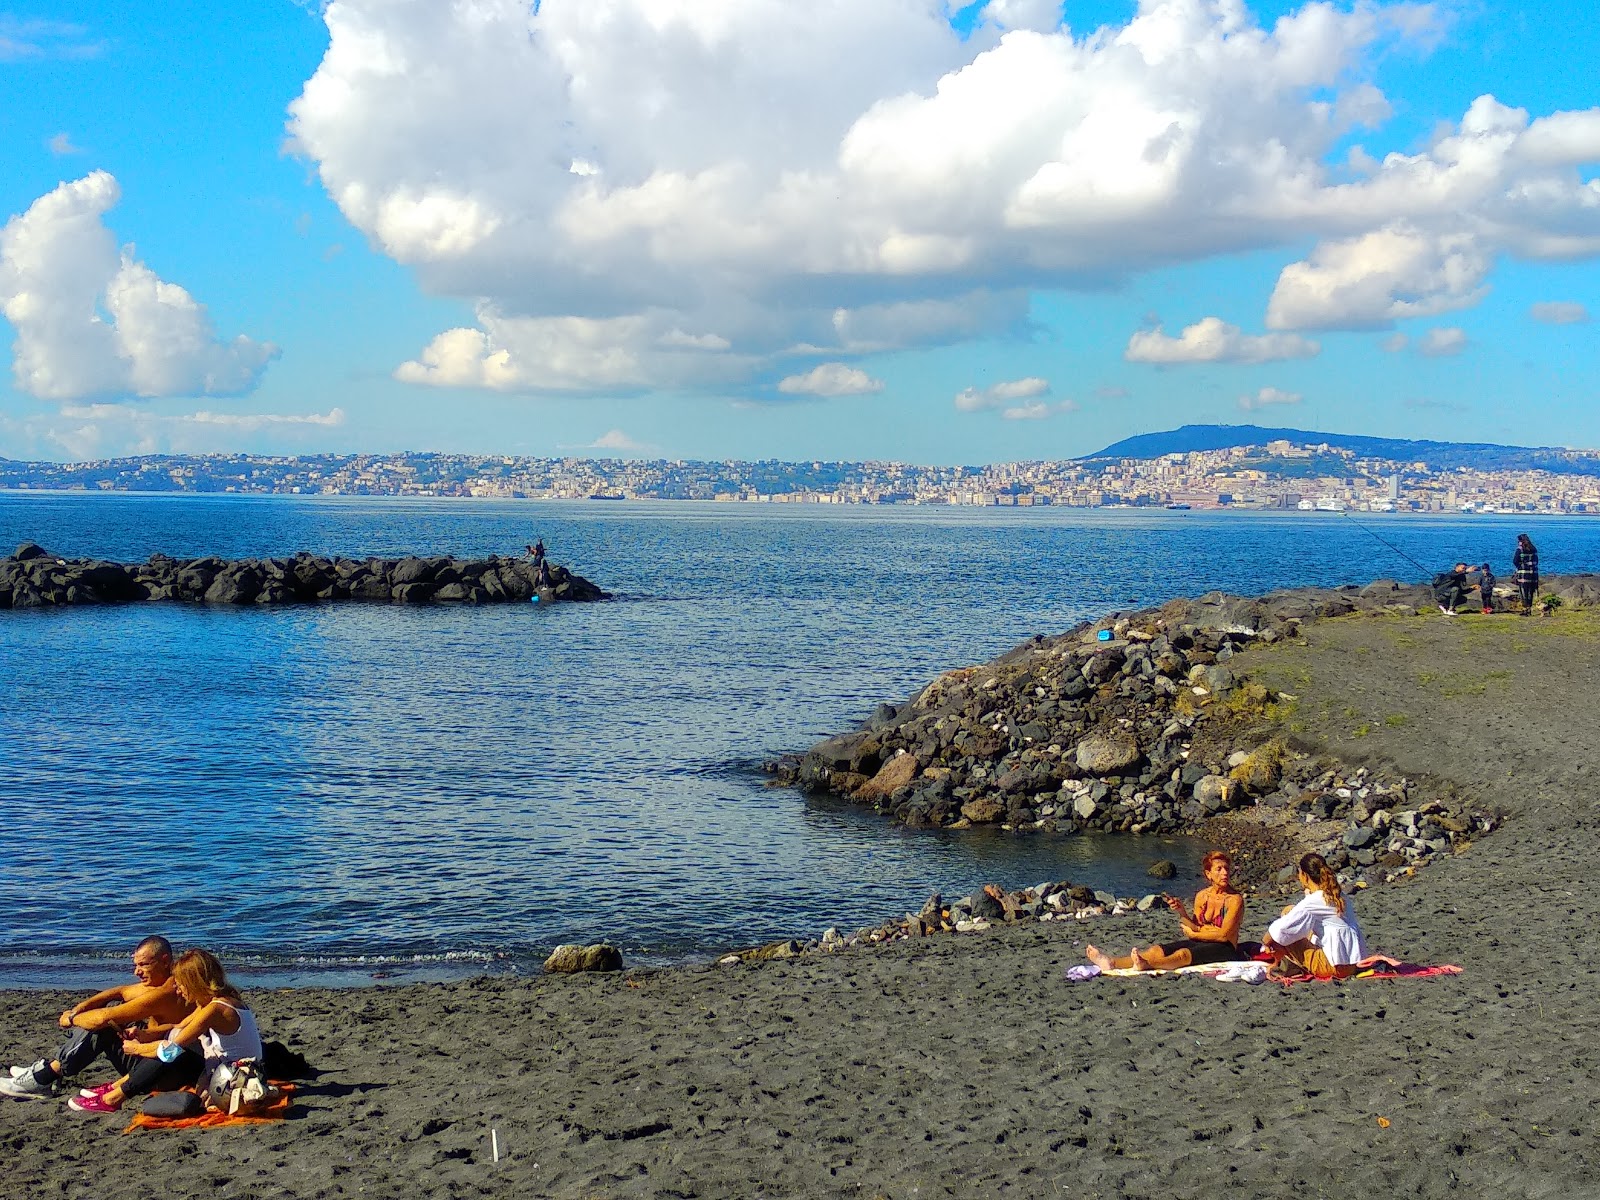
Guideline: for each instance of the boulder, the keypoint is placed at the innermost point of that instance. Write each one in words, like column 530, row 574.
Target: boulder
column 1165, row 869
column 895, row 774
column 237, row 585
column 411, row 570
column 1213, row 791
column 1107, row 752
column 984, row 810
column 569, row 960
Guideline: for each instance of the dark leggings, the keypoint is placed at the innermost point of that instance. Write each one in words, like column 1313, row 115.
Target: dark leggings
column 147, row 1075
column 1525, row 589
column 1203, row 953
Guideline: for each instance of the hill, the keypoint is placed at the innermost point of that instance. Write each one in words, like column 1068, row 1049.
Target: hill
column 1481, row 456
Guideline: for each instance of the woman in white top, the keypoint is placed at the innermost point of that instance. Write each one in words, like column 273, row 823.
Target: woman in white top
column 1320, row 934
column 220, row 1031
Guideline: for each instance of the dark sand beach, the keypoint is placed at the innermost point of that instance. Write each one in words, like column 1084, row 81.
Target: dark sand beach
column 964, row 1065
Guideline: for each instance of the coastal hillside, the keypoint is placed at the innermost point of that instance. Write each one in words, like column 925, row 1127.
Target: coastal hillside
column 1481, row 456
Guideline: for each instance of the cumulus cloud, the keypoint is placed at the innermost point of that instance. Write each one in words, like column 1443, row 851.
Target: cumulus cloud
column 1443, row 342
column 1000, row 395
column 1559, row 312
column 1370, row 281
column 94, row 321
column 1268, row 397
column 1214, row 340
column 615, row 441
column 583, row 164
column 830, row 379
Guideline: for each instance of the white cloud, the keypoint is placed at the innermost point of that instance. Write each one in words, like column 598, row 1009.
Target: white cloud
column 1000, row 395
column 61, row 145
column 1267, row 397
column 1042, row 16
column 93, row 321
column 106, row 430
column 1214, row 340
column 1369, row 281
column 554, row 354
column 24, row 38
column 1443, row 342
column 830, row 379
column 1394, row 343
column 608, row 161
column 1037, row 410
column 1559, row 312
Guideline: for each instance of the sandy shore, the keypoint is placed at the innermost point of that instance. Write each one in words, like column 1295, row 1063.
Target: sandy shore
column 963, row 1065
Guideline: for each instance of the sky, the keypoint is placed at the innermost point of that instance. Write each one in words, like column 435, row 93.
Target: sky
column 911, row 230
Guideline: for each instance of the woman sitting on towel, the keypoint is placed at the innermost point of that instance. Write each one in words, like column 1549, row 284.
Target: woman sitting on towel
column 221, row 1030
column 1210, row 934
column 1319, row 935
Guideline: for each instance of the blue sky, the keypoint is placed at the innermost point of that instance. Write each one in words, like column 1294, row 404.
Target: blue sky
column 772, row 228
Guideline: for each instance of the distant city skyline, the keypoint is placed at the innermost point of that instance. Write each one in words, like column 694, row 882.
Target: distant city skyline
column 1278, row 473
column 843, row 230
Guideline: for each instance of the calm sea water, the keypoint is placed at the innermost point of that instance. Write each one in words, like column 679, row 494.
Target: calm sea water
column 340, row 793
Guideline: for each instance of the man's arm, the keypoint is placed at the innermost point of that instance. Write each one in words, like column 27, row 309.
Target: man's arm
column 98, row 1001
column 128, row 1012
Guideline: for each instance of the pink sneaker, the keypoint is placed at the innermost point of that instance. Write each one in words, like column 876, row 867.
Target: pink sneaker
column 91, row 1104
column 95, row 1093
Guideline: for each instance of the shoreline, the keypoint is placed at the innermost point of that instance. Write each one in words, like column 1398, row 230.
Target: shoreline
column 965, row 1065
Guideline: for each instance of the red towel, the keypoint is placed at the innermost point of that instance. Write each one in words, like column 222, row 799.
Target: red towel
column 276, row 1111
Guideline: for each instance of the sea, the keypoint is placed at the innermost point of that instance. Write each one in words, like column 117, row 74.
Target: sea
column 349, row 794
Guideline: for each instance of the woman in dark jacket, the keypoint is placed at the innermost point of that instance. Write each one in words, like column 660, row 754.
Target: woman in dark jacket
column 1525, row 571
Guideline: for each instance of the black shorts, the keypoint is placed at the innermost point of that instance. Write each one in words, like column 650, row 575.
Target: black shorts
column 1202, row 953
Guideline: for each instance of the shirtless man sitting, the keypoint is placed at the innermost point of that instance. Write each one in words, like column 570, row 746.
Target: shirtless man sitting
column 145, row 1010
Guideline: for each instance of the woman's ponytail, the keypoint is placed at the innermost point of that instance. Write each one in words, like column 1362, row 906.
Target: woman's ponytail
column 1315, row 868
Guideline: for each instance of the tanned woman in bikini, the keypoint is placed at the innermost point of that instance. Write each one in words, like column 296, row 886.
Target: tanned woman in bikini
column 1210, row 933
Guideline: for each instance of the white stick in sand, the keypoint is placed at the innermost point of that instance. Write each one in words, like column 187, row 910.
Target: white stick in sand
column 494, row 1141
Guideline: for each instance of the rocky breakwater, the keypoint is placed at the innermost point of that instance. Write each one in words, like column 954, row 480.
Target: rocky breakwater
column 35, row 578
column 1141, row 723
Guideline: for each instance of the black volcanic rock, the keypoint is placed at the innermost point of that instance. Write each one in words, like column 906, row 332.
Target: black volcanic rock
column 34, row 578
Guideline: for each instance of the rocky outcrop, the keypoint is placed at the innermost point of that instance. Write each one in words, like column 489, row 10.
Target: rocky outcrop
column 35, row 578
column 1132, row 724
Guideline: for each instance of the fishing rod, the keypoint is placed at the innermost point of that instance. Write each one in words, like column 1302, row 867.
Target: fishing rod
column 1385, row 541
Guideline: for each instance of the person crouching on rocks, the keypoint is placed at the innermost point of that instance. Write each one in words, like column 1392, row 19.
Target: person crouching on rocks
column 1210, row 933
column 221, row 1031
column 1318, row 936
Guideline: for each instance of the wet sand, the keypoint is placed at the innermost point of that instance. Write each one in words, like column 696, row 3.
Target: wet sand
column 964, row 1065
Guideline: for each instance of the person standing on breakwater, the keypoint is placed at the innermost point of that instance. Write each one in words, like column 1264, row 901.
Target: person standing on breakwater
column 1319, row 935
column 1525, row 571
column 99, row 1024
column 221, row 1025
column 1450, row 588
column 1210, row 935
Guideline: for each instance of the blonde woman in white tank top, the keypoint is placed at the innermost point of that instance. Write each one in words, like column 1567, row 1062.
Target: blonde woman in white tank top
column 221, row 1030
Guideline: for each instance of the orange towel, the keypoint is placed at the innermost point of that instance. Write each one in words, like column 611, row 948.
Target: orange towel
column 276, row 1111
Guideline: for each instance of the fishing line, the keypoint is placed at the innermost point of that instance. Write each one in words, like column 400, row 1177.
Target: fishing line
column 1385, row 541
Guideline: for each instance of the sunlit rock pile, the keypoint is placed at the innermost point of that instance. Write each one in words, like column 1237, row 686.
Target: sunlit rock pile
column 34, row 578
column 1138, row 724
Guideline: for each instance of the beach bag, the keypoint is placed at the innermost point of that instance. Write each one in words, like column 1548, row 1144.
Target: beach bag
column 173, row 1104
column 239, row 1088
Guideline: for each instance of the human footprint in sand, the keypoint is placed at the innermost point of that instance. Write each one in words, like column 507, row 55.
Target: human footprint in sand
column 1210, row 934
